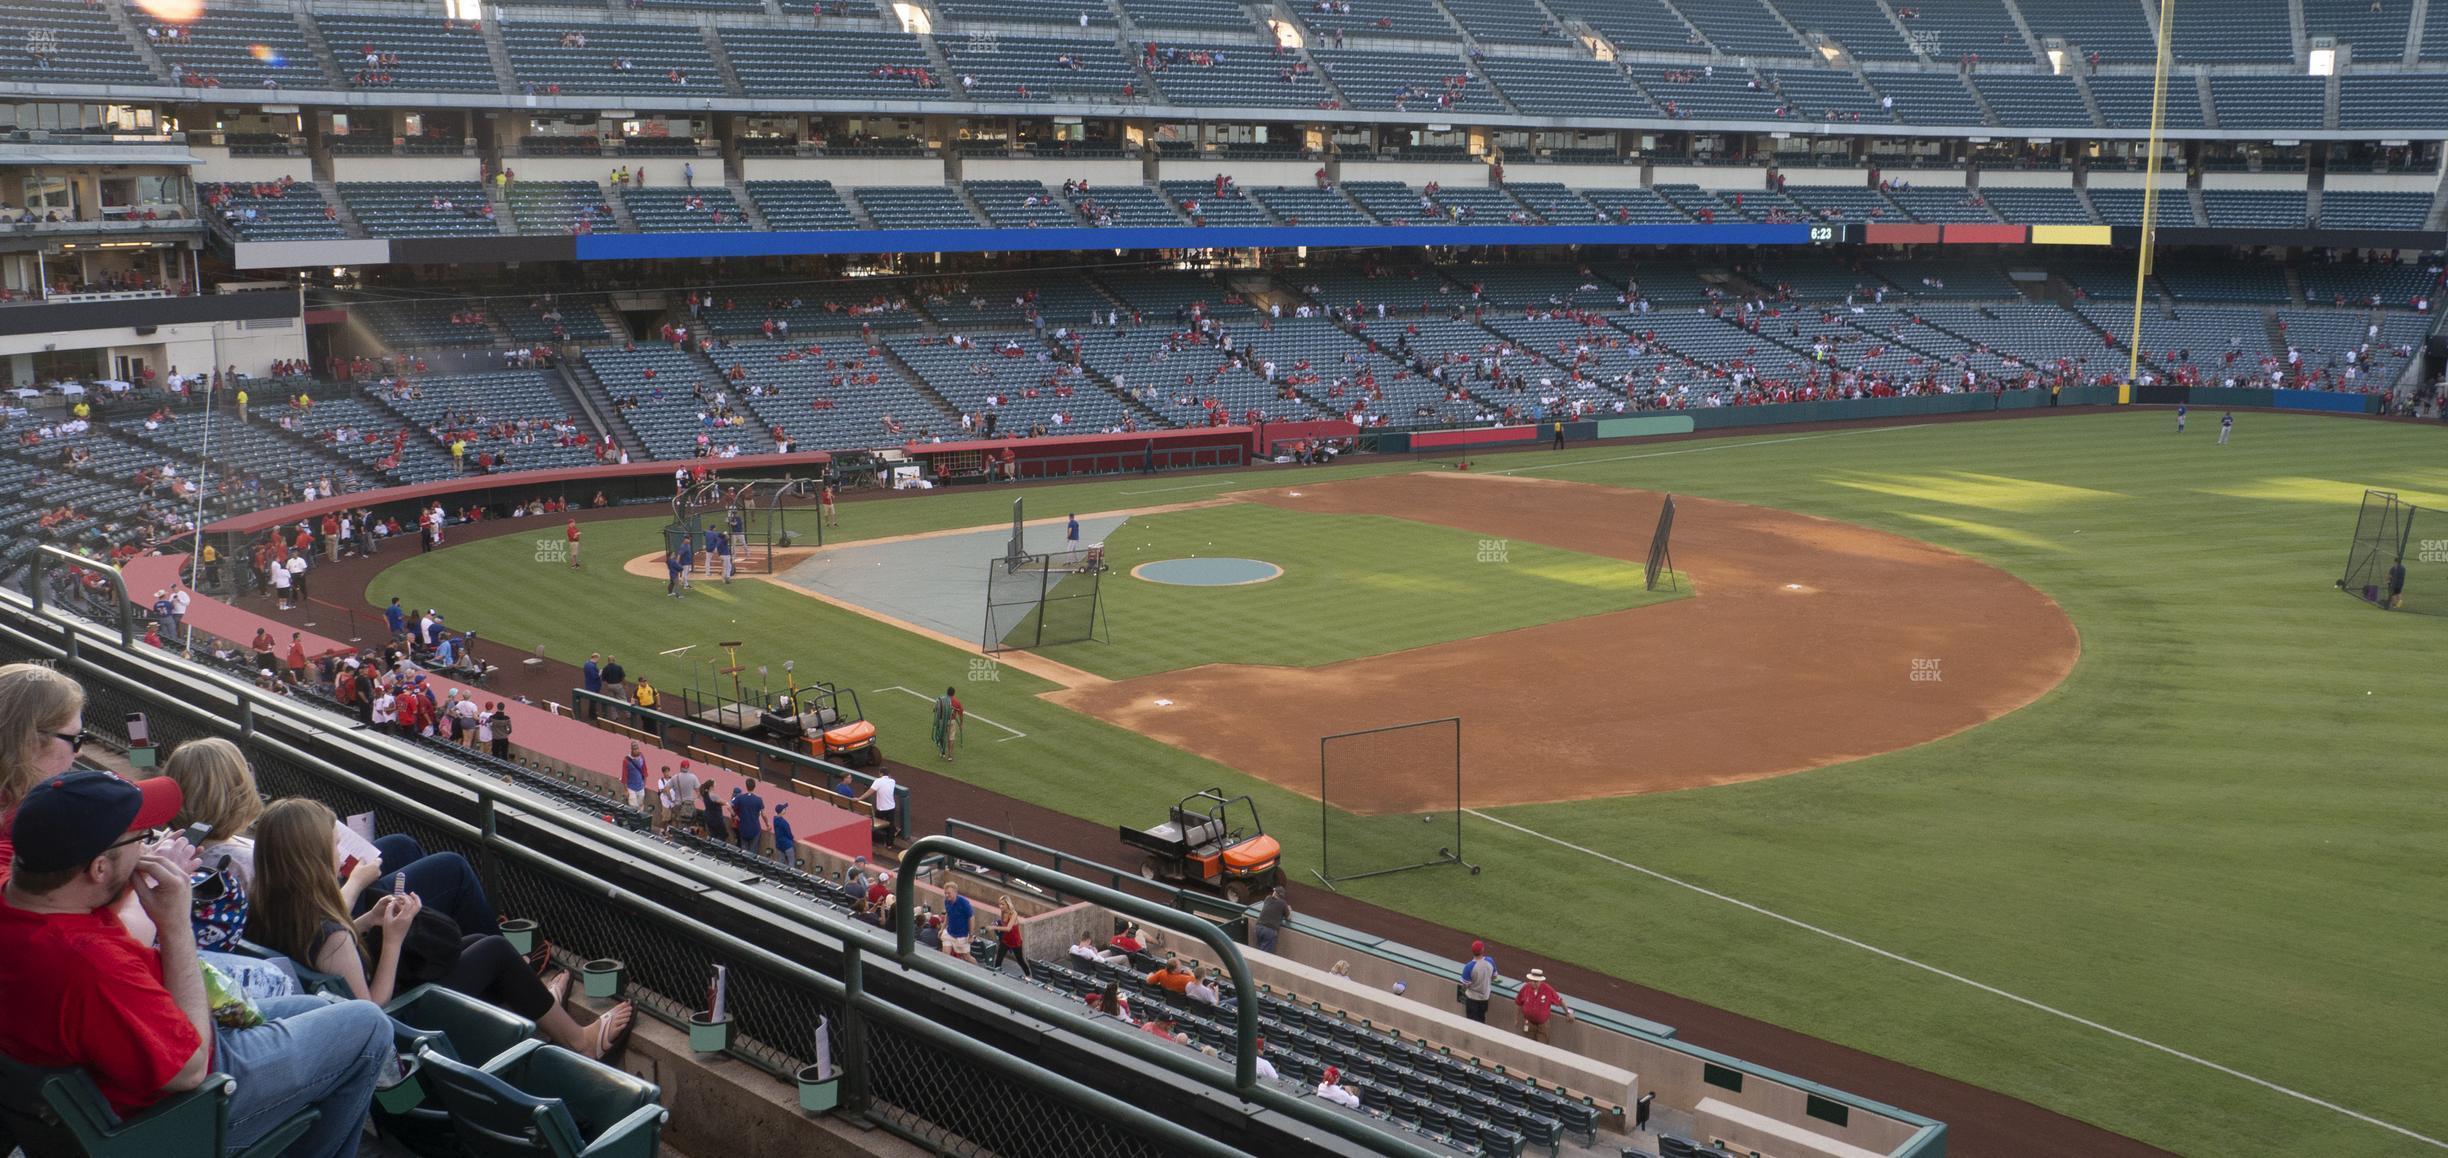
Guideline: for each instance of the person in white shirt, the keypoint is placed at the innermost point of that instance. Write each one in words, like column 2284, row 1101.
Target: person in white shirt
column 1202, row 990
column 1265, row 1069
column 1331, row 1088
column 885, row 794
column 280, row 584
column 1087, row 950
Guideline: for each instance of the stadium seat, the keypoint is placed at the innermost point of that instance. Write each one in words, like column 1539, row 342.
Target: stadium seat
column 541, row 1100
column 2116, row 30
column 1551, row 87
column 53, row 1112
column 1236, row 74
column 791, row 205
column 1220, row 15
column 1407, row 81
column 1861, row 26
column 2248, row 32
column 420, row 53
column 1404, row 19
column 2269, row 102
column 1742, row 27
column 1507, row 22
column 226, row 48
column 820, row 63
column 57, row 42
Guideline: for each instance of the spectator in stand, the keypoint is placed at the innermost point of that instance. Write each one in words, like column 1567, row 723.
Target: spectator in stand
column 1331, row 1088
column 1007, row 937
column 1538, row 1001
column 1273, row 914
column 1086, row 950
column 41, row 729
column 82, row 992
column 748, row 817
column 885, row 793
column 299, row 913
column 633, row 776
column 1171, row 977
column 785, row 842
column 711, row 811
column 1478, row 982
column 683, row 788
column 958, row 913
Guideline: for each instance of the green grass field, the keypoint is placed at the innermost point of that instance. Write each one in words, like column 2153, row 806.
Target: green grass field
column 1353, row 585
column 2222, row 834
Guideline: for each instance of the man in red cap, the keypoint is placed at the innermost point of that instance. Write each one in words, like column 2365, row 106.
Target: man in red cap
column 1331, row 1088
column 82, row 992
column 1478, row 982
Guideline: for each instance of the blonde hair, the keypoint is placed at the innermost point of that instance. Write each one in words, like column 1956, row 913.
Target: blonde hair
column 35, row 703
column 218, row 784
column 296, row 890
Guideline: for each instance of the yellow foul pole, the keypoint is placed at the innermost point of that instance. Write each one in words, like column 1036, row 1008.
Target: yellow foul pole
column 2150, row 187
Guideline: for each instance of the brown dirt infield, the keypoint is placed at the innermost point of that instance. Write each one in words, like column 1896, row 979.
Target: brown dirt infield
column 1798, row 651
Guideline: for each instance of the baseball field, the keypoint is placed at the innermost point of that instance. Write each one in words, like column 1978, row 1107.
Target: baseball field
column 2038, row 753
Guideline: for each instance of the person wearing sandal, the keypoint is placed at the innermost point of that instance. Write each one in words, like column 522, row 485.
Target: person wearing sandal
column 298, row 911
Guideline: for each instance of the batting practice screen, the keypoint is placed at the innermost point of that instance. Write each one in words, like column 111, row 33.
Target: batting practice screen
column 2399, row 558
column 1041, row 601
column 1390, row 799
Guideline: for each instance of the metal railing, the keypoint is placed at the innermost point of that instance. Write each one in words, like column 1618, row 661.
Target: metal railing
column 923, row 1038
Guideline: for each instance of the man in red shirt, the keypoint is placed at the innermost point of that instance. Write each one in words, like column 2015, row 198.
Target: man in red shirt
column 134, row 1017
column 573, row 543
column 1537, row 1001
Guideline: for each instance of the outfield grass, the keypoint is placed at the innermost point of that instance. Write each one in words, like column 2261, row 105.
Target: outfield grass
column 2210, row 836
column 1352, row 586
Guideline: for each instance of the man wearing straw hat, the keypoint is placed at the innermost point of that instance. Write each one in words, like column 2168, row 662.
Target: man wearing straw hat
column 1538, row 1001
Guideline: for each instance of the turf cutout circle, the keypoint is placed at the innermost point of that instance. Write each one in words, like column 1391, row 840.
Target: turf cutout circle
column 1217, row 572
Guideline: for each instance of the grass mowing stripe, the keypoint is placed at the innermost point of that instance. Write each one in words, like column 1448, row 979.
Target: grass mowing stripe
column 1960, row 978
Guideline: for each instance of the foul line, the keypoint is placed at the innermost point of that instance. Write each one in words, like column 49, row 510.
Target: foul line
column 1899, row 958
column 1016, row 734
column 1729, row 445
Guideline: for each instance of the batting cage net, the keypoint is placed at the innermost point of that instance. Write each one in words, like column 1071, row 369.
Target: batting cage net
column 1390, row 799
column 2391, row 564
column 1044, row 600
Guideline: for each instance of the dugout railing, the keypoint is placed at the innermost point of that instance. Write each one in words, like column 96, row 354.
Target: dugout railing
column 938, row 1057
column 701, row 737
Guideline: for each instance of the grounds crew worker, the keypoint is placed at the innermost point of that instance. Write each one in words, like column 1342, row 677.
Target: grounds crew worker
column 645, row 697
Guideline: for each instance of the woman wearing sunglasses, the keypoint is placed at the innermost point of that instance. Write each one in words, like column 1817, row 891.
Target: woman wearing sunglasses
column 42, row 725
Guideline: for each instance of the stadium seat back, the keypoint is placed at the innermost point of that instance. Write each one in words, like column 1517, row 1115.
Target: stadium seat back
column 538, row 1099
column 60, row 1113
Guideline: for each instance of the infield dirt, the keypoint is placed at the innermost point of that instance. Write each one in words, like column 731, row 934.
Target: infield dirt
column 1809, row 642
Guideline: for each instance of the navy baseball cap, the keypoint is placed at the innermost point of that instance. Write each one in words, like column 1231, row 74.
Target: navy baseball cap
column 74, row 817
